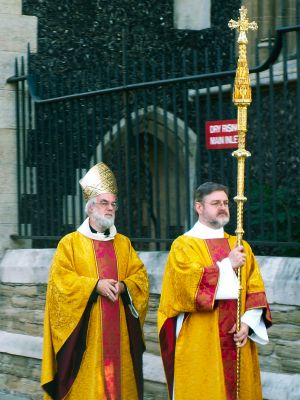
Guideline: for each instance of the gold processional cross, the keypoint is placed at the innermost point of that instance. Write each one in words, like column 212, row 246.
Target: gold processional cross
column 242, row 99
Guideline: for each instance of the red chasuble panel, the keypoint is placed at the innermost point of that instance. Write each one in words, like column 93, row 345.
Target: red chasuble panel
column 110, row 312
column 219, row 249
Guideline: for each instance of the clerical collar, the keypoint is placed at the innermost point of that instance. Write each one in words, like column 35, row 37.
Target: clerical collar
column 91, row 233
column 105, row 233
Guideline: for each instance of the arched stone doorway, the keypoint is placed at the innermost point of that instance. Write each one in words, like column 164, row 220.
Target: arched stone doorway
column 163, row 149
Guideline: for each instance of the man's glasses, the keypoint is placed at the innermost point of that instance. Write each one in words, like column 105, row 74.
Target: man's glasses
column 105, row 204
column 218, row 203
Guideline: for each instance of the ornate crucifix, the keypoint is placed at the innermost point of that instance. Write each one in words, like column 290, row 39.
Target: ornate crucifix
column 242, row 99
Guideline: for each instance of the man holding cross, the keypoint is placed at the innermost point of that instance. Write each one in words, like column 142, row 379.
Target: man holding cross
column 198, row 308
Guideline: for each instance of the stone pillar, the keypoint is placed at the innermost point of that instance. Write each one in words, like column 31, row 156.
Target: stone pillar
column 16, row 31
column 269, row 16
column 192, row 14
column 286, row 16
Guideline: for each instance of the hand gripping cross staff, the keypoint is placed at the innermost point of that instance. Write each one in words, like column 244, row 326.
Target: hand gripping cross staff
column 242, row 99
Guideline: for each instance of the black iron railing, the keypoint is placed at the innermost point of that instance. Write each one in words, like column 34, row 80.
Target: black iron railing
column 152, row 135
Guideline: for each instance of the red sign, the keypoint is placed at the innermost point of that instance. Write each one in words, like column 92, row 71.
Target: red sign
column 221, row 134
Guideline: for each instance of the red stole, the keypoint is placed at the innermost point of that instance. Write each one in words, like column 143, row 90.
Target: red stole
column 110, row 323
column 219, row 249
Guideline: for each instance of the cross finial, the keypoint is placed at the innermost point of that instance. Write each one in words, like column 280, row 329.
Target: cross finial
column 242, row 25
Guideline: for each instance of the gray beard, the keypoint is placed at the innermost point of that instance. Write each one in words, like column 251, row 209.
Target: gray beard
column 103, row 223
column 220, row 222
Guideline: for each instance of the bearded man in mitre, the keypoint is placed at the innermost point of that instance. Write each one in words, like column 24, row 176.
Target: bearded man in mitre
column 96, row 304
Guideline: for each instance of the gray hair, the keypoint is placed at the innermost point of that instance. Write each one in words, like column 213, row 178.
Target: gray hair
column 89, row 204
column 208, row 188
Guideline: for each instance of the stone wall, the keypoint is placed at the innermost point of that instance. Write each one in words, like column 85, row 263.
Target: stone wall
column 23, row 277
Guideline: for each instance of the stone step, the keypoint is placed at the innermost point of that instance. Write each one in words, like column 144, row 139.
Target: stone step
column 31, row 347
column 20, row 361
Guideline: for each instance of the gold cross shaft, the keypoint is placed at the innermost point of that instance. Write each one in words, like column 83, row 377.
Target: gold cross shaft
column 242, row 99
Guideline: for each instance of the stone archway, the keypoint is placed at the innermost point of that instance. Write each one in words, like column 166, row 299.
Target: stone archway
column 176, row 175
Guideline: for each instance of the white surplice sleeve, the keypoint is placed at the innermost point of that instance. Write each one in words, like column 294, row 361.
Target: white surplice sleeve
column 253, row 318
column 228, row 289
column 228, row 283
